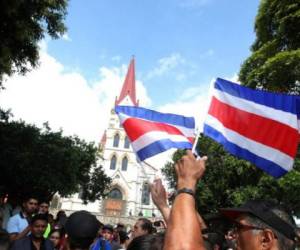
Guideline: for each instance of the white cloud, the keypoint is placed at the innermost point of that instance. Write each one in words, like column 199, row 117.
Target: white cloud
column 166, row 64
column 65, row 99
column 66, row 37
column 194, row 102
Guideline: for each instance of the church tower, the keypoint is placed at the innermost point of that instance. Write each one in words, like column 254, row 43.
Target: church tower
column 129, row 195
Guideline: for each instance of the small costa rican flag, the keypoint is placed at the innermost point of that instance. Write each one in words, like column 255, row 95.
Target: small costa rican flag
column 255, row 125
column 152, row 132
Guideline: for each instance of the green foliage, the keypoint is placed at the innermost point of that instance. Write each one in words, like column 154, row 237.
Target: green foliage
column 40, row 162
column 229, row 181
column 23, row 23
column 274, row 63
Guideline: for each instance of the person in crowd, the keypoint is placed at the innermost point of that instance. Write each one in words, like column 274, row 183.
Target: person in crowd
column 60, row 220
column 82, row 228
column 142, row 227
column 18, row 225
column 55, row 236
column 123, row 237
column 184, row 228
column 4, row 240
column 44, row 209
column 35, row 240
column 262, row 224
column 108, row 235
column 147, row 242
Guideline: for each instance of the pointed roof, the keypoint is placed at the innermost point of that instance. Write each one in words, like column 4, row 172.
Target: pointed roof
column 128, row 89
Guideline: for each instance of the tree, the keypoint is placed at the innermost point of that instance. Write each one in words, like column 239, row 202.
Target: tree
column 40, row 162
column 22, row 25
column 229, row 181
column 273, row 65
column 274, row 62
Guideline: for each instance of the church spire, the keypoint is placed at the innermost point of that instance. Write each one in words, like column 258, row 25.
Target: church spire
column 128, row 95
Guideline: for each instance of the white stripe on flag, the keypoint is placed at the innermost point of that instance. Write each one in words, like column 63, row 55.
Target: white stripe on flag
column 286, row 118
column 261, row 150
column 154, row 136
column 188, row 132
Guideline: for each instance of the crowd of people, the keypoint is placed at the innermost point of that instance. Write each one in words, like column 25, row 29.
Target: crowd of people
column 257, row 225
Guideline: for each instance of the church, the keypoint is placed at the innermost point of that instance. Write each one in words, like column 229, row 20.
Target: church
column 129, row 196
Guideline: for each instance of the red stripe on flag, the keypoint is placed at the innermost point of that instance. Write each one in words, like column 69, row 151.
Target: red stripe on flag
column 260, row 129
column 136, row 127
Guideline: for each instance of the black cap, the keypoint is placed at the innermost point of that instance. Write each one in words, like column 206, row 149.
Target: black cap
column 262, row 210
column 108, row 227
column 82, row 224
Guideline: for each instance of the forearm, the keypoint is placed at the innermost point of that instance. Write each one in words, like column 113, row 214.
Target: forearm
column 23, row 233
column 165, row 212
column 184, row 231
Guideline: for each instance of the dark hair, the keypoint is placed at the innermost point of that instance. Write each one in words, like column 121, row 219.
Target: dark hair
column 83, row 243
column 123, row 236
column 147, row 225
column 4, row 240
column 43, row 217
column 44, row 201
column 147, row 242
column 27, row 198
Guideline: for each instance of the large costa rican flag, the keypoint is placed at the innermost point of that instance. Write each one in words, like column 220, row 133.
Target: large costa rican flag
column 152, row 132
column 255, row 125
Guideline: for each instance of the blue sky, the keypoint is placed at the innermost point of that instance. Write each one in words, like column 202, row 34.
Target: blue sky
column 211, row 37
column 179, row 46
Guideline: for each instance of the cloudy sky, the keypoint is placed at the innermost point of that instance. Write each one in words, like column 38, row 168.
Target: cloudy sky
column 180, row 46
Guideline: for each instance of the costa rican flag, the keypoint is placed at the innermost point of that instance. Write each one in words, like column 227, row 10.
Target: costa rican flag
column 152, row 132
column 255, row 125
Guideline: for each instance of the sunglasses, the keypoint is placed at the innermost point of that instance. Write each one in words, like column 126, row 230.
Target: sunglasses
column 239, row 227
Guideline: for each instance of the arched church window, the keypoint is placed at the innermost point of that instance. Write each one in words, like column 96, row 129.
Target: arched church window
column 113, row 162
column 116, row 140
column 124, row 163
column 126, row 142
column 116, row 194
column 145, row 194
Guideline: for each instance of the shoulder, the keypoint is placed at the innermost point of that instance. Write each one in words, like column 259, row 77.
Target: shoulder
column 15, row 217
column 21, row 243
column 48, row 244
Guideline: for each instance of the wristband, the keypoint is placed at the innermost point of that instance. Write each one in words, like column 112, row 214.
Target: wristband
column 185, row 191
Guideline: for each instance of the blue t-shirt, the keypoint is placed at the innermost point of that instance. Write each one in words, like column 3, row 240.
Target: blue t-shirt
column 16, row 223
column 101, row 242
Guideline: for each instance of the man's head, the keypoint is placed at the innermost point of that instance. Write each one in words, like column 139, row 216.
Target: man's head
column 44, row 207
column 38, row 224
column 107, row 232
column 142, row 227
column 262, row 225
column 30, row 205
column 82, row 228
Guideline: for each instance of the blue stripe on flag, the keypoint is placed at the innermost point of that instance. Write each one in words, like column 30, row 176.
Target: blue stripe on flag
column 278, row 101
column 266, row 165
column 147, row 114
column 161, row 146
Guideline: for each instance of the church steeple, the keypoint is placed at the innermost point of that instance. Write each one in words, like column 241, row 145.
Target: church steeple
column 128, row 94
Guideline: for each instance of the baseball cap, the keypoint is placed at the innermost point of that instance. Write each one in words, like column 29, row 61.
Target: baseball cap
column 82, row 224
column 108, row 227
column 263, row 210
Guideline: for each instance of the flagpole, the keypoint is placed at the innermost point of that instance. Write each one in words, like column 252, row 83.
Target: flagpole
column 195, row 145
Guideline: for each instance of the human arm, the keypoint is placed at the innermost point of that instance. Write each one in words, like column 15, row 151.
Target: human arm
column 13, row 228
column 159, row 197
column 184, row 229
